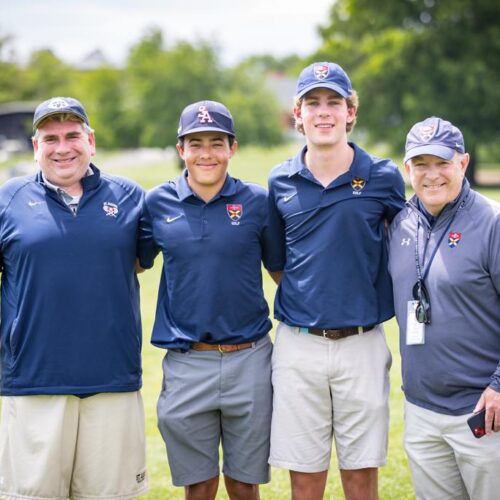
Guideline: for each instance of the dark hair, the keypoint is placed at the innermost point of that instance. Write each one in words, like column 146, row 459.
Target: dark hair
column 230, row 138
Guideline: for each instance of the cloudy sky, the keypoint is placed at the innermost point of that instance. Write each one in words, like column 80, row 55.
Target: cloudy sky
column 73, row 28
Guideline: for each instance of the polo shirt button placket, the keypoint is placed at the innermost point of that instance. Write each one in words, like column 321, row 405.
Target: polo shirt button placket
column 204, row 221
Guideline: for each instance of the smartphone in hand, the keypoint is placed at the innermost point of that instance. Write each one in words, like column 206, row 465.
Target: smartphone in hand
column 477, row 424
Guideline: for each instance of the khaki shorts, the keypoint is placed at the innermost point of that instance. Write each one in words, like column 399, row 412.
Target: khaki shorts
column 326, row 389
column 446, row 460
column 52, row 447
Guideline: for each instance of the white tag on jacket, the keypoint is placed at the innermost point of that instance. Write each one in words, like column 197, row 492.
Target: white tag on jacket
column 415, row 331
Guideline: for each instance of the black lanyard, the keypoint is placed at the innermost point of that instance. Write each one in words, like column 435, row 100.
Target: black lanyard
column 420, row 276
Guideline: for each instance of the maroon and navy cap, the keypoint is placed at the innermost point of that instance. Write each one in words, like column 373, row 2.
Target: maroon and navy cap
column 434, row 136
column 324, row 75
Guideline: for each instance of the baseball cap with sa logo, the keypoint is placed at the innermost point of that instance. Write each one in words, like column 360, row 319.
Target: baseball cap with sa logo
column 434, row 136
column 324, row 75
column 205, row 116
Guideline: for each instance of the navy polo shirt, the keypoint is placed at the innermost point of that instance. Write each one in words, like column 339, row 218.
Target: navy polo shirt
column 334, row 242
column 211, row 284
column 70, row 317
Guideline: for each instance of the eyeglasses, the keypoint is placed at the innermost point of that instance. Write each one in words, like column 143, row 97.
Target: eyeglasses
column 423, row 309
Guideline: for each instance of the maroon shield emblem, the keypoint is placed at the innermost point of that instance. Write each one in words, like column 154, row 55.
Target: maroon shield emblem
column 234, row 211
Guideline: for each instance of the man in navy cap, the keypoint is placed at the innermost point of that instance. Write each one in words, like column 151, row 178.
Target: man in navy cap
column 70, row 340
column 445, row 266
column 328, row 210
column 211, row 313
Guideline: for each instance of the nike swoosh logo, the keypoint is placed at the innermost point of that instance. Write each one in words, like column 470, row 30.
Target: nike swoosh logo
column 34, row 203
column 289, row 197
column 171, row 219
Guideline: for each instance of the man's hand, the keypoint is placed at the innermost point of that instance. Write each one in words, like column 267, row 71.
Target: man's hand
column 276, row 276
column 490, row 399
column 138, row 268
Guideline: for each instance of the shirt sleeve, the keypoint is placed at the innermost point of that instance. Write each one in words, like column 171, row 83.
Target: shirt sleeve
column 494, row 266
column 273, row 236
column 396, row 200
column 147, row 249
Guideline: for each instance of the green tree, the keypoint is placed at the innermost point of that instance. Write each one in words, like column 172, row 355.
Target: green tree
column 102, row 91
column 10, row 73
column 161, row 82
column 264, row 63
column 415, row 58
column 254, row 108
column 46, row 76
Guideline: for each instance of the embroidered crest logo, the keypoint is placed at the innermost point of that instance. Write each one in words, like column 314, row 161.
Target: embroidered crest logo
column 357, row 184
column 204, row 115
column 111, row 209
column 234, row 211
column 57, row 103
column 426, row 132
column 454, row 239
column 321, row 71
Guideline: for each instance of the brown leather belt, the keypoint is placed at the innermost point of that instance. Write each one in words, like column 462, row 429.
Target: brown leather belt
column 337, row 333
column 201, row 346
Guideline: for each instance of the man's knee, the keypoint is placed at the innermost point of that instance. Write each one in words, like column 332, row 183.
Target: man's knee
column 206, row 490
column 237, row 490
column 360, row 484
column 308, row 485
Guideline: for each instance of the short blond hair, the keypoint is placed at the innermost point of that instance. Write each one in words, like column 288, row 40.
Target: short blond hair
column 62, row 117
column 352, row 102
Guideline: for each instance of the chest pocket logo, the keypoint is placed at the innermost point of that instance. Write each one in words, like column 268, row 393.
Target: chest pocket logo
column 357, row 185
column 454, row 239
column 110, row 209
column 234, row 212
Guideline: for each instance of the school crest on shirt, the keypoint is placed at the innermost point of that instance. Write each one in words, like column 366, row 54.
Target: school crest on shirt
column 321, row 71
column 110, row 209
column 454, row 239
column 234, row 211
column 357, row 185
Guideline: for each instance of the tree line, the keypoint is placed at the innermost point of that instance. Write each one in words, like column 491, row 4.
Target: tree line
column 139, row 104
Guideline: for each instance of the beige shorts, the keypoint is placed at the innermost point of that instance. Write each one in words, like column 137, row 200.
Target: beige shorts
column 446, row 460
column 52, row 447
column 326, row 389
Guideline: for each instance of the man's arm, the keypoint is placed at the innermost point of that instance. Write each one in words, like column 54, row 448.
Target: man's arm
column 490, row 398
column 147, row 250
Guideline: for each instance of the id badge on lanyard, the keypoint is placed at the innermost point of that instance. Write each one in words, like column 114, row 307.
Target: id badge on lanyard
column 415, row 331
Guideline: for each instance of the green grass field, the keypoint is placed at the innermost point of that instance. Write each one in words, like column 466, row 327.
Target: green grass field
column 251, row 164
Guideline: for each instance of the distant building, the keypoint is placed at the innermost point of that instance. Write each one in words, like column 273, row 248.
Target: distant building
column 93, row 60
column 16, row 120
column 283, row 87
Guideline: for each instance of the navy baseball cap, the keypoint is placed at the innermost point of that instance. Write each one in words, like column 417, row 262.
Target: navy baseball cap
column 57, row 106
column 324, row 75
column 205, row 116
column 434, row 136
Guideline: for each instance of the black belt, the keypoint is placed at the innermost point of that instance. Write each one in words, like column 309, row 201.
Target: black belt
column 336, row 333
